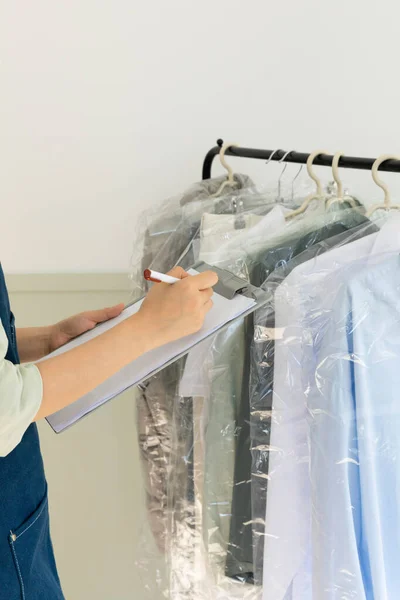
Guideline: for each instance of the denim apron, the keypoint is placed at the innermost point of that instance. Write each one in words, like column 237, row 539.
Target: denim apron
column 27, row 566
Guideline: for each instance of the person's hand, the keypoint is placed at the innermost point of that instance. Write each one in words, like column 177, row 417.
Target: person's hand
column 70, row 328
column 173, row 311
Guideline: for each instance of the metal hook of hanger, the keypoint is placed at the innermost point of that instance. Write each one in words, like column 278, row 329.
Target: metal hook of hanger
column 282, row 173
column 387, row 202
column 271, row 156
column 318, row 193
column 294, row 179
column 231, row 179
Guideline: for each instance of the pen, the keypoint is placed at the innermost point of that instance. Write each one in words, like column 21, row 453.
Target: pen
column 157, row 277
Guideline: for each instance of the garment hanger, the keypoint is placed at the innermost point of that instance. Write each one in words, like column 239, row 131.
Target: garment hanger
column 231, row 179
column 279, row 198
column 235, row 205
column 387, row 202
column 294, row 179
column 341, row 197
column 271, row 156
column 283, row 171
column 318, row 193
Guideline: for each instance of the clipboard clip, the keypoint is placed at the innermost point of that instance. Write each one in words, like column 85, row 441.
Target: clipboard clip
column 229, row 285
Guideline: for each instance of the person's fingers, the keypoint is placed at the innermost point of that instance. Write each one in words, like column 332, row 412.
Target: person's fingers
column 208, row 305
column 207, row 294
column 178, row 272
column 205, row 280
column 104, row 314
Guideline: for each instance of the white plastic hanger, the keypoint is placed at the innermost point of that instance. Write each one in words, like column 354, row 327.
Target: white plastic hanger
column 231, row 179
column 387, row 202
column 340, row 197
column 319, row 191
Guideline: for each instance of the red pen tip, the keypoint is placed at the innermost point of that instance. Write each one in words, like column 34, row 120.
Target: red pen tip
column 148, row 277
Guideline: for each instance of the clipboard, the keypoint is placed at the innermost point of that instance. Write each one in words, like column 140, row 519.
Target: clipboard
column 234, row 298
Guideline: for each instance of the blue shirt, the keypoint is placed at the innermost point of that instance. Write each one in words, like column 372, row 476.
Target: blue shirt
column 353, row 400
column 312, row 352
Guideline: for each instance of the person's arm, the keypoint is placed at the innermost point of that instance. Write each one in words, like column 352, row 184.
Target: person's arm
column 73, row 374
column 169, row 312
column 33, row 343
column 36, row 342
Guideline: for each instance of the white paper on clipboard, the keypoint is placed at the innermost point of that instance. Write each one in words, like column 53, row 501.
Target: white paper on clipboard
column 223, row 312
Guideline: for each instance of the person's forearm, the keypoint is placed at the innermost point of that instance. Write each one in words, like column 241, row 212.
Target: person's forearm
column 33, row 343
column 71, row 375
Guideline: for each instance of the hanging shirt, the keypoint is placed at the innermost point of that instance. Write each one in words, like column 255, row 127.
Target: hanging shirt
column 262, row 379
column 214, row 370
column 353, row 431
column 247, row 498
column 288, row 515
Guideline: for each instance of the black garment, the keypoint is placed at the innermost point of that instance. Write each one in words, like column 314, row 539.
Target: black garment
column 246, row 542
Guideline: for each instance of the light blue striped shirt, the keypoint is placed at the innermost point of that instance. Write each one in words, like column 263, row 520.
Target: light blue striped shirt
column 332, row 529
column 354, row 435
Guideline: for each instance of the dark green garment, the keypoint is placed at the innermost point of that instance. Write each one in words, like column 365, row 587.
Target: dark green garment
column 246, row 542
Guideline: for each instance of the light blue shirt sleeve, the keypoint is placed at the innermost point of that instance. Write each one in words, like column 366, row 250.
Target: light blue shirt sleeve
column 354, row 436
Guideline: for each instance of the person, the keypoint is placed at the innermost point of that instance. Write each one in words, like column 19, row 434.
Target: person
column 33, row 391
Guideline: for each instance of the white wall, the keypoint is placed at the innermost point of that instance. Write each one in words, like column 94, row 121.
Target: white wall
column 108, row 106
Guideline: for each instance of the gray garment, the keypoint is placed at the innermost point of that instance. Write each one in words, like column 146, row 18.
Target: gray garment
column 168, row 241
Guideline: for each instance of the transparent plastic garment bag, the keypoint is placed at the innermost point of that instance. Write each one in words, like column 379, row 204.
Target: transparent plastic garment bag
column 198, row 429
column 169, row 234
column 325, row 420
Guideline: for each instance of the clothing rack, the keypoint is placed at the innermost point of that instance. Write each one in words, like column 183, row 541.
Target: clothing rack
column 323, row 160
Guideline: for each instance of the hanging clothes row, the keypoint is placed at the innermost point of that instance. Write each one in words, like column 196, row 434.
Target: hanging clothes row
column 267, row 449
